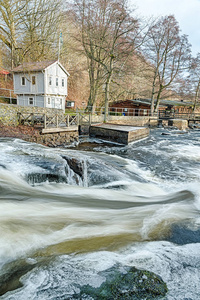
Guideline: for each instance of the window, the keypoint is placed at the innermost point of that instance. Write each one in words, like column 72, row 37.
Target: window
column 145, row 112
column 63, row 82
column 56, row 81
column 23, row 82
column 33, row 80
column 49, row 101
column 50, row 80
column 70, row 103
column 61, row 101
column 30, row 101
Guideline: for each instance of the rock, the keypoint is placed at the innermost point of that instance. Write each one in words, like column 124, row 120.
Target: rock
column 133, row 285
column 76, row 165
column 11, row 274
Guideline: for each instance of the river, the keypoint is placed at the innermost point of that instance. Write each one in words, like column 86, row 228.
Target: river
column 135, row 205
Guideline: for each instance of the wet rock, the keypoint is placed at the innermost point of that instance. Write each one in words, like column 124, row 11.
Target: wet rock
column 11, row 273
column 181, row 235
column 76, row 165
column 134, row 285
column 34, row 178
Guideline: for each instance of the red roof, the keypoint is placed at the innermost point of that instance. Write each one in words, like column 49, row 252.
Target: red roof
column 3, row 71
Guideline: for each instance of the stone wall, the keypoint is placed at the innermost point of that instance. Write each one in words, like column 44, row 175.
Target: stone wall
column 8, row 112
column 34, row 135
column 9, row 127
column 56, row 139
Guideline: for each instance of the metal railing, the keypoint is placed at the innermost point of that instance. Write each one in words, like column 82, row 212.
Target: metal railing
column 163, row 114
column 117, row 111
column 10, row 95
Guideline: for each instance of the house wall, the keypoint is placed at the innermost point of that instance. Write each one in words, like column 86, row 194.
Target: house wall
column 129, row 108
column 55, row 71
column 28, row 88
column 129, row 104
column 52, row 101
column 23, row 100
column 44, row 94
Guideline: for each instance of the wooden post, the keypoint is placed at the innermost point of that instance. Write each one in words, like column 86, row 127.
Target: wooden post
column 57, row 121
column 32, row 119
column 45, row 121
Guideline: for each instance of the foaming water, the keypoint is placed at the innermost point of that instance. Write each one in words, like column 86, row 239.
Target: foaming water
column 112, row 205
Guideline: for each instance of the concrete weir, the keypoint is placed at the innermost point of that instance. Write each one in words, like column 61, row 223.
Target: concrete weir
column 122, row 134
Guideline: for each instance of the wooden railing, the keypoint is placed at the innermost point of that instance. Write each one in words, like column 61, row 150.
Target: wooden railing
column 48, row 121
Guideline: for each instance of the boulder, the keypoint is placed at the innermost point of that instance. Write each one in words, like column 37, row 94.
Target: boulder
column 134, row 284
column 76, row 165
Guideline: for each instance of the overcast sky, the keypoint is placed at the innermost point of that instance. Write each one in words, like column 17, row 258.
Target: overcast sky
column 186, row 12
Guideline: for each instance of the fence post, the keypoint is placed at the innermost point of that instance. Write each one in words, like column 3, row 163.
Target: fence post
column 32, row 119
column 67, row 120
column 45, row 121
column 57, row 121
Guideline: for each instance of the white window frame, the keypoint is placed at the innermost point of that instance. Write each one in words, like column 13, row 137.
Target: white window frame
column 56, row 81
column 50, row 80
column 29, row 100
column 49, row 100
column 23, row 78
column 63, row 82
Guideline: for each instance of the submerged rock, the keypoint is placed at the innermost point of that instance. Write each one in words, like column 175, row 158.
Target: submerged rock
column 11, row 273
column 134, row 285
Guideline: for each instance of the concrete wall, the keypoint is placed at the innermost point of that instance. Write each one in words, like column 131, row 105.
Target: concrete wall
column 133, row 121
column 8, row 112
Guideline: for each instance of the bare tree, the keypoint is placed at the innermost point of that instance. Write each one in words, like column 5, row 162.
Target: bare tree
column 194, row 78
column 169, row 54
column 109, row 35
column 28, row 27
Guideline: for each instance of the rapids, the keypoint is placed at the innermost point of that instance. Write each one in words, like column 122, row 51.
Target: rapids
column 135, row 205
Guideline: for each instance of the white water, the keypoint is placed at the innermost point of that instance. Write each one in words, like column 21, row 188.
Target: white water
column 121, row 212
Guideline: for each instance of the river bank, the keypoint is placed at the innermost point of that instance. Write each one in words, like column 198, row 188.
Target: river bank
column 34, row 135
column 26, row 133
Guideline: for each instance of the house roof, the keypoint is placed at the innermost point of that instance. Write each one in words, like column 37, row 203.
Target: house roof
column 33, row 66
column 162, row 102
column 36, row 66
column 3, row 71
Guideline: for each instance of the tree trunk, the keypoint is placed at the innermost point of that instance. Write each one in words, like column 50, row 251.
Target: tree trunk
column 196, row 96
column 158, row 99
column 107, row 94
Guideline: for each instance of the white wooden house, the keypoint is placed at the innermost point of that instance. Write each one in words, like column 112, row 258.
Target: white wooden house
column 42, row 84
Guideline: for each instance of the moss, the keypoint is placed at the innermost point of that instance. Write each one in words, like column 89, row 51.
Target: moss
column 133, row 285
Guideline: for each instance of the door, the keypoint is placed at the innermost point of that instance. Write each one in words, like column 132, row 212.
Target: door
column 33, row 84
